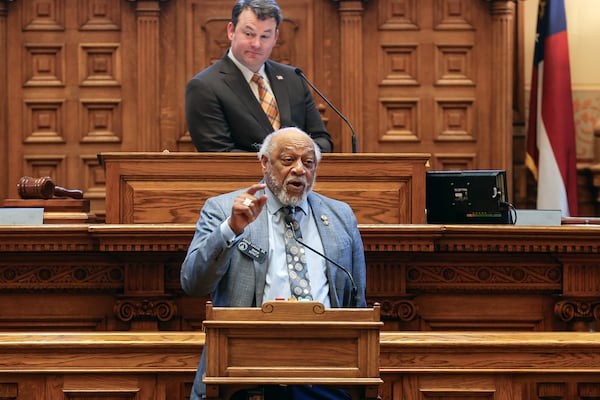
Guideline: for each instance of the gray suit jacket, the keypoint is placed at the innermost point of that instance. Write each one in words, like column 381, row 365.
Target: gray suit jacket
column 235, row 280
column 224, row 115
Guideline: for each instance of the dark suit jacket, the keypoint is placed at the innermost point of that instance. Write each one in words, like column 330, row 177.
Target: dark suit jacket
column 224, row 115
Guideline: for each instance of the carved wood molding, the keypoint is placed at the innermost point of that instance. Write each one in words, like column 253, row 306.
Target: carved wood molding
column 407, row 266
column 36, row 239
column 504, row 277
column 582, row 314
column 401, row 310
column 561, row 240
column 474, row 239
column 114, row 237
column 98, row 277
column 145, row 308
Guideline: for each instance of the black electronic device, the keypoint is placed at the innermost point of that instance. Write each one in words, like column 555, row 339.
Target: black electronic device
column 467, row 197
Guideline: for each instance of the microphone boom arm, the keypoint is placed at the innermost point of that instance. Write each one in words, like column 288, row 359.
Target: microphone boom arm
column 290, row 221
column 338, row 112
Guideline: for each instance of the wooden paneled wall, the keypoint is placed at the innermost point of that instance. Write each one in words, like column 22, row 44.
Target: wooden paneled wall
column 91, row 76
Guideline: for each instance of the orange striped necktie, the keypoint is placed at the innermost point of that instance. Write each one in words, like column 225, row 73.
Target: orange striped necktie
column 267, row 101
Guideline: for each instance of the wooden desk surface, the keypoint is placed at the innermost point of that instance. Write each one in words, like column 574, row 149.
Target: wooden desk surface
column 425, row 352
column 441, row 365
column 563, row 240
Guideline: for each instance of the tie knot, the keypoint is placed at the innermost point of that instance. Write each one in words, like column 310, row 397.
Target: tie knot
column 291, row 221
column 290, row 210
column 257, row 78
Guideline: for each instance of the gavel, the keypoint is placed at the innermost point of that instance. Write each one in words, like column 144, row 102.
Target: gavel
column 44, row 188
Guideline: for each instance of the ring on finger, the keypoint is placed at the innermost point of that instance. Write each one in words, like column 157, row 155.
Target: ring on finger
column 247, row 202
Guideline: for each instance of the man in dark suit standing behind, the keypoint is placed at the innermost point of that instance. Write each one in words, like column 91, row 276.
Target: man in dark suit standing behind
column 225, row 105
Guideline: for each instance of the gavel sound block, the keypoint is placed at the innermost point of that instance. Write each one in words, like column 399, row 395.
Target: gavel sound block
column 44, row 188
column 39, row 193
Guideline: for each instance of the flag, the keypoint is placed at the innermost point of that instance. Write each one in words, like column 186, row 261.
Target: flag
column 551, row 153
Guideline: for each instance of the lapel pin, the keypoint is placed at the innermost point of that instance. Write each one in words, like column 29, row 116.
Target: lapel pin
column 325, row 220
column 279, row 77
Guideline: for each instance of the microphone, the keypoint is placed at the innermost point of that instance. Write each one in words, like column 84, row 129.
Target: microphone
column 354, row 145
column 291, row 221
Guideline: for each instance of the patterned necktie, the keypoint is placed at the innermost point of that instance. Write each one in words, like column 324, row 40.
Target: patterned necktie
column 295, row 257
column 267, row 101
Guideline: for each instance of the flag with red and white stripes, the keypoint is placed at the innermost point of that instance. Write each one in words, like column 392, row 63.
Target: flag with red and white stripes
column 551, row 152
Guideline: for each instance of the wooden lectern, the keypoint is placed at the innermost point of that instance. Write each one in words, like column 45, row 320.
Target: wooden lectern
column 151, row 188
column 292, row 342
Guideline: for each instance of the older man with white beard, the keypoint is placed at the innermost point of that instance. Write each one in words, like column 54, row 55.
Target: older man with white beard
column 238, row 253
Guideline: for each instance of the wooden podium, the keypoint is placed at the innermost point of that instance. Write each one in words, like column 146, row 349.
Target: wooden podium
column 161, row 188
column 291, row 342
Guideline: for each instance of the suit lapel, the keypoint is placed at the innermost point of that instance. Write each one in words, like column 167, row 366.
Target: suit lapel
column 233, row 78
column 326, row 231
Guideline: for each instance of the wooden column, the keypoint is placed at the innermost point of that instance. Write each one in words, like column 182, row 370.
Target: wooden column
column 351, row 69
column 502, row 44
column 3, row 98
column 148, row 59
column 144, row 302
column 579, row 303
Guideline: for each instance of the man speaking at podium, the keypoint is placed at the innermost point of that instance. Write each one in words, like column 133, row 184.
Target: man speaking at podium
column 241, row 98
column 250, row 246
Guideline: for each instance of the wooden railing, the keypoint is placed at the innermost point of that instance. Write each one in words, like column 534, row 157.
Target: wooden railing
column 143, row 365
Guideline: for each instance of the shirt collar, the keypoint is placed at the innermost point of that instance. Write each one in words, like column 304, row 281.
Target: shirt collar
column 245, row 71
column 274, row 205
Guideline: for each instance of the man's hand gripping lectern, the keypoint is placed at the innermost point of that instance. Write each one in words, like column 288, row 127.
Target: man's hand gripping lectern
column 292, row 342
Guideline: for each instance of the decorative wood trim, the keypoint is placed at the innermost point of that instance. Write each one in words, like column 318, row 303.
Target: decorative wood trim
column 351, row 63
column 148, row 70
column 412, row 270
column 131, row 308
column 562, row 241
column 502, row 47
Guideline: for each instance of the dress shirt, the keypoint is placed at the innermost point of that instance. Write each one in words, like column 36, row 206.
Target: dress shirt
column 277, row 282
column 249, row 74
